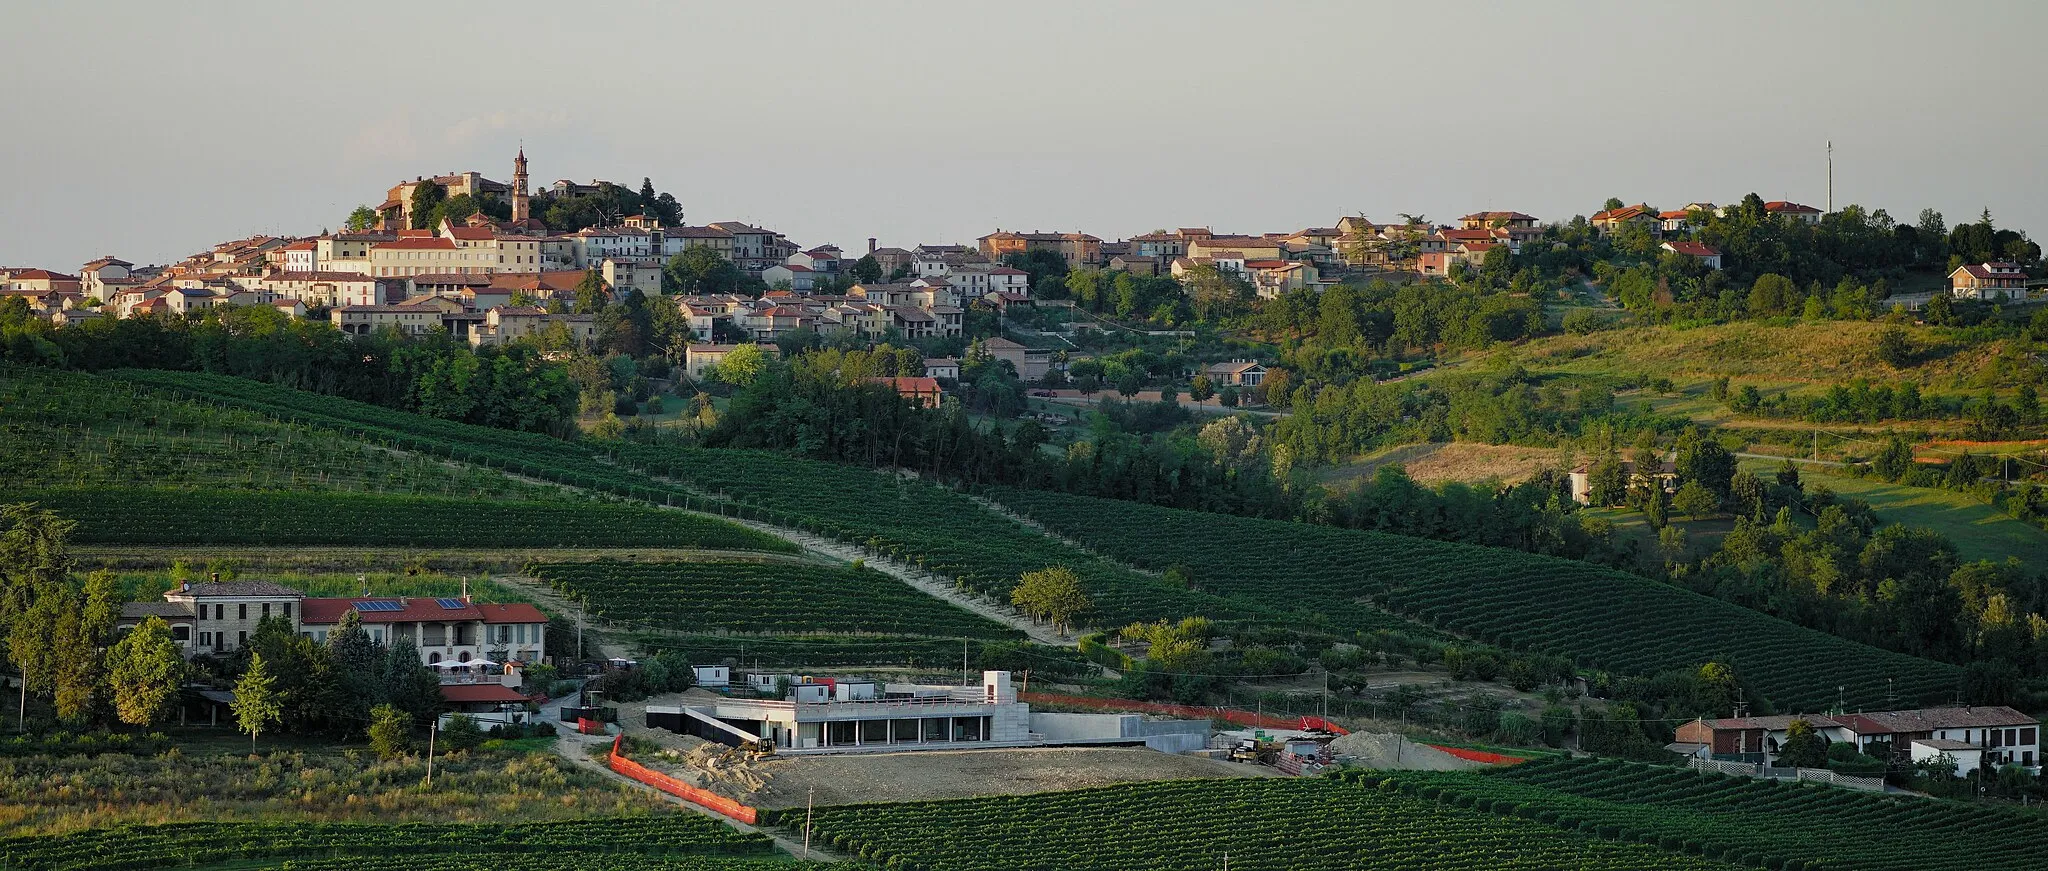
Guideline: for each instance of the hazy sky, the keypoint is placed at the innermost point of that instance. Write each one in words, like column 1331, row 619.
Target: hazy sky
column 152, row 129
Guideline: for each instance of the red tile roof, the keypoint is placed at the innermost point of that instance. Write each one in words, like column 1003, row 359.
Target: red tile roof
column 1780, row 207
column 324, row 611
column 414, row 242
column 471, row 234
column 516, row 612
column 1695, row 249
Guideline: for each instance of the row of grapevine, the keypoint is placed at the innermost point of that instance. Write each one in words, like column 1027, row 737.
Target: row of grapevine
column 182, row 844
column 1598, row 616
column 225, row 517
column 1738, row 819
column 773, row 597
column 1191, row 825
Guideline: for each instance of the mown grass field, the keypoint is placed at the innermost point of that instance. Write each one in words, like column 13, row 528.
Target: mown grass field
column 1762, row 353
column 1978, row 530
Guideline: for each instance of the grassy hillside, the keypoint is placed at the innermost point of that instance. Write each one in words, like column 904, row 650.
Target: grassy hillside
column 1765, row 354
column 1601, row 617
column 1980, row 532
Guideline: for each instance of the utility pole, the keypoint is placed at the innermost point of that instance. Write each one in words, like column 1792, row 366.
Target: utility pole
column 433, row 732
column 1816, row 447
column 1831, row 176
column 965, row 677
column 810, row 795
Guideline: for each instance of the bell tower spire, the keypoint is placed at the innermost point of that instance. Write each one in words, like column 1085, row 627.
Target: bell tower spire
column 519, row 203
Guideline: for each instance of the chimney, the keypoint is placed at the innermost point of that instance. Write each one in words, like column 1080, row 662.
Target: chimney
column 871, row 244
column 215, row 576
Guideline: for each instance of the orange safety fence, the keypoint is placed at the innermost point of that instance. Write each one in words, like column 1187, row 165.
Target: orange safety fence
column 679, row 789
column 1242, row 718
column 1485, row 756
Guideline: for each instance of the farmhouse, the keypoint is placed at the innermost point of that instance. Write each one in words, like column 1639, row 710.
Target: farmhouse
column 1991, row 735
column 1988, row 281
column 217, row 618
column 921, row 391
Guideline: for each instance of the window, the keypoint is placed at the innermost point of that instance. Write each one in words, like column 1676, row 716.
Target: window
column 220, row 612
column 287, row 610
column 266, row 610
column 181, row 633
column 206, row 639
column 241, row 638
column 242, row 611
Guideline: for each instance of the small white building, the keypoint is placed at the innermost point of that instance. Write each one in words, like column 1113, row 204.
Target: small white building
column 713, row 676
column 1968, row 757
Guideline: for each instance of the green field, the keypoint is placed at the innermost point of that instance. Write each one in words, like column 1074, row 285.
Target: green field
column 1516, row 600
column 1980, row 532
column 1310, row 824
column 1742, row 820
column 770, row 597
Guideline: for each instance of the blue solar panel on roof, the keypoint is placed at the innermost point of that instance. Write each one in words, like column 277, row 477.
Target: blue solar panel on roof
column 379, row 605
column 454, row 603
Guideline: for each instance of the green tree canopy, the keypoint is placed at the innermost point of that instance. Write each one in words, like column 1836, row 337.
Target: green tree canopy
column 145, row 670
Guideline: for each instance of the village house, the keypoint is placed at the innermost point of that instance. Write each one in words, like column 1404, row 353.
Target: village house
column 1488, row 220
column 93, row 277
column 1993, row 281
column 1666, row 476
column 945, row 368
column 506, row 324
column 363, row 320
column 1971, row 736
column 921, row 391
column 1610, row 220
column 1078, row 249
column 1707, row 255
column 1031, row 363
column 1236, row 373
column 1804, row 214
column 835, row 714
column 755, row 249
column 698, row 359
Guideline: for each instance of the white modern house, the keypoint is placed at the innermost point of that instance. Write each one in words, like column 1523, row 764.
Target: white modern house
column 847, row 716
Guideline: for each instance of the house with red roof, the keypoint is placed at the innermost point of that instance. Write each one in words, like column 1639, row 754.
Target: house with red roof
column 921, row 391
column 1487, row 220
column 1610, row 220
column 1704, row 253
column 1995, row 281
column 1802, row 213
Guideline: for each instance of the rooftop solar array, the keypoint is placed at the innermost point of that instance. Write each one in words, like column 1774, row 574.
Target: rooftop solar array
column 379, row 605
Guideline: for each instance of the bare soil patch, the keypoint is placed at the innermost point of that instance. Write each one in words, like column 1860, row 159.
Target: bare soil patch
column 1467, row 462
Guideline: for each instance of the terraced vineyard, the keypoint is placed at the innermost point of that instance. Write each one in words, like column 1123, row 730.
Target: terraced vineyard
column 1601, row 617
column 770, row 597
column 1743, row 820
column 72, row 430
column 219, row 517
column 618, row 842
column 917, row 522
column 1262, row 825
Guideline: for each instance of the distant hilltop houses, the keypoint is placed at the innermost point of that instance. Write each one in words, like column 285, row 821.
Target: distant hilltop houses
column 480, row 259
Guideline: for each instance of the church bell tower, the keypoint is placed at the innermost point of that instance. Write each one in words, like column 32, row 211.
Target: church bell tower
column 519, row 205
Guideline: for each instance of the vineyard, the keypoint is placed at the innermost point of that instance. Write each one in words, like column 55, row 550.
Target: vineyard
column 221, row 517
column 70, row 430
column 923, row 524
column 419, row 844
column 769, row 597
column 556, row 861
column 1262, row 825
column 929, row 526
column 1742, row 820
column 1601, row 617
column 813, row 651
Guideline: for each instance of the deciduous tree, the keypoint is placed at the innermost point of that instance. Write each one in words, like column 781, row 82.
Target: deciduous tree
column 145, row 669
column 1052, row 594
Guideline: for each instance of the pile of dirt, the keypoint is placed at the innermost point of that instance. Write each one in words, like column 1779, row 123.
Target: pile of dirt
column 1395, row 752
